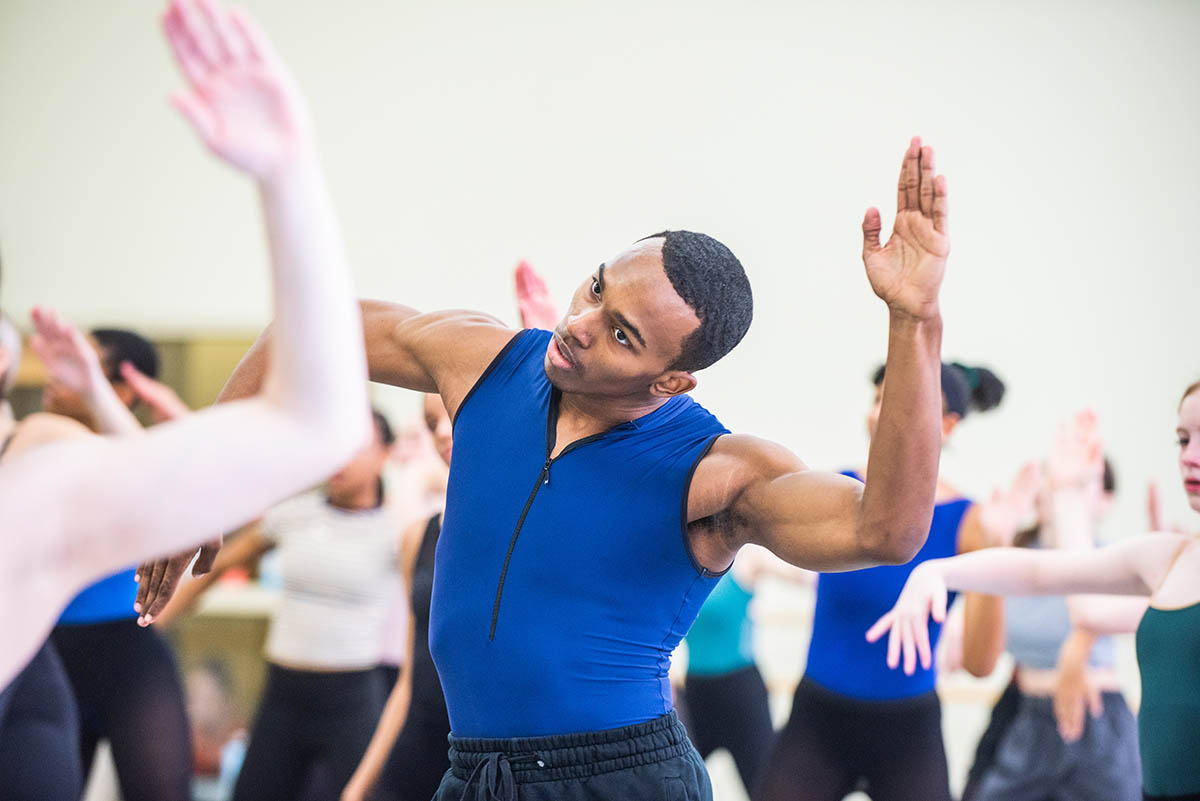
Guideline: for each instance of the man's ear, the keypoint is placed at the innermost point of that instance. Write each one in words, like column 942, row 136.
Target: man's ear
column 672, row 383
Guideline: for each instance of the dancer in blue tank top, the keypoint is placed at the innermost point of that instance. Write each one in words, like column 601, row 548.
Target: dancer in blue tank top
column 592, row 505
column 854, row 723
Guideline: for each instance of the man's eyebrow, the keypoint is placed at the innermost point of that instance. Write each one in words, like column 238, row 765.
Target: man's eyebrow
column 630, row 327
column 600, row 278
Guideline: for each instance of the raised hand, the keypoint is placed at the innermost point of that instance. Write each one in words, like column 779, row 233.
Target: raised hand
column 163, row 402
column 907, row 624
column 240, row 99
column 1001, row 516
column 533, row 299
column 1077, row 455
column 907, row 271
column 69, row 358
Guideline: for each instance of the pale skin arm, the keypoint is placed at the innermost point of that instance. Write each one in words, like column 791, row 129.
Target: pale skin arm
column 993, row 523
column 78, row 510
column 243, row 103
column 1133, row 567
column 759, row 492
column 395, row 712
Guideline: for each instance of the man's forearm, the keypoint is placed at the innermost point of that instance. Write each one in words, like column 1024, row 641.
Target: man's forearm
column 897, row 503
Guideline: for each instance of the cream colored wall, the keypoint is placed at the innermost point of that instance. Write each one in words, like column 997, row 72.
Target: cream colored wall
column 461, row 136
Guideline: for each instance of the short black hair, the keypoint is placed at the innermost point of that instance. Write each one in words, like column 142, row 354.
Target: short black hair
column 964, row 389
column 710, row 279
column 119, row 345
column 383, row 428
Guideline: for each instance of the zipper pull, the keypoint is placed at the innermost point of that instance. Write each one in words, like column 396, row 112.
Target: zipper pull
column 546, row 473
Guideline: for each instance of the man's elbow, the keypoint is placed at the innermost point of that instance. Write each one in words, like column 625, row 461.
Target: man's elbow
column 897, row 547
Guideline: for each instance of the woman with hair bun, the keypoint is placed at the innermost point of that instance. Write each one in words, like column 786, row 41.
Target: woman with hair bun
column 855, row 724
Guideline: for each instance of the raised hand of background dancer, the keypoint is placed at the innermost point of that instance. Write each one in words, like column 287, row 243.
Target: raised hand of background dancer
column 72, row 362
column 1077, row 454
column 537, row 308
column 1075, row 695
column 1154, row 512
column 241, row 98
column 162, row 401
column 1002, row 515
column 906, row 272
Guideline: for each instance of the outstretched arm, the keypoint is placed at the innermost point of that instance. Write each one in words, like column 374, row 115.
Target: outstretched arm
column 80, row 509
column 828, row 522
column 1132, row 567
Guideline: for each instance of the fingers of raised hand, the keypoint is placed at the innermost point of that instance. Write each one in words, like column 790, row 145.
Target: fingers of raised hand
column 872, row 225
column 883, row 624
column 925, row 190
column 908, row 639
column 941, row 208
column 910, row 178
column 192, row 59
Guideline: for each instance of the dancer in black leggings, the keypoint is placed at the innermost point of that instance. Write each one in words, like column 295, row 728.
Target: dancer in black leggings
column 408, row 755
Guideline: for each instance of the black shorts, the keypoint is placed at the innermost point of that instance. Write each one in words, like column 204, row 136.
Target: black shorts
column 654, row 761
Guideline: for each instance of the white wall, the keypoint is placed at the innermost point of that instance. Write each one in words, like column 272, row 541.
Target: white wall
column 461, row 136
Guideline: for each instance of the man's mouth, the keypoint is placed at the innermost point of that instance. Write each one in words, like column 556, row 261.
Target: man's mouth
column 560, row 354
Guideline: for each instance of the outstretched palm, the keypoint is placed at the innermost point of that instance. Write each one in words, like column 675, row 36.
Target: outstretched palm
column 907, row 271
column 240, row 98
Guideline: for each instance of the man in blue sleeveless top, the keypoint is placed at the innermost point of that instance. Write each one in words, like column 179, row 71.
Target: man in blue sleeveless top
column 592, row 505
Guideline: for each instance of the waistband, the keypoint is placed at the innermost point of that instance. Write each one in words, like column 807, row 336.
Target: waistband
column 523, row 760
column 845, row 704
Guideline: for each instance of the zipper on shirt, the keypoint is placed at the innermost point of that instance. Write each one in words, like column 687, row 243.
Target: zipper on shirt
column 543, row 479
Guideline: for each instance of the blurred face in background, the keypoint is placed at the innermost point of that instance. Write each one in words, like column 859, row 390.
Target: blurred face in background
column 439, row 425
column 1188, row 433
column 949, row 419
column 363, row 472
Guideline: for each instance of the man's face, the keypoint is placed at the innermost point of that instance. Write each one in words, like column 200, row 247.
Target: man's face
column 624, row 328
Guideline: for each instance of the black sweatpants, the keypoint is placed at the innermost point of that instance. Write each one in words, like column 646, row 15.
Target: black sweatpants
column 39, row 734
column 652, row 761
column 312, row 728
column 732, row 711
column 126, row 685
column 833, row 745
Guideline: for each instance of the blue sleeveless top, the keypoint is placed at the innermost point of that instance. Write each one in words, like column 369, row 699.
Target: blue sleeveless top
column 562, row 586
column 107, row 600
column 722, row 638
column 839, row 657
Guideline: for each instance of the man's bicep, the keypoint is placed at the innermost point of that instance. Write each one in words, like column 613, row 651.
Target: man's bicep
column 807, row 517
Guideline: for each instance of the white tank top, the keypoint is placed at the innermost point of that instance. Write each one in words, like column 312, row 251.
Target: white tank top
column 339, row 574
